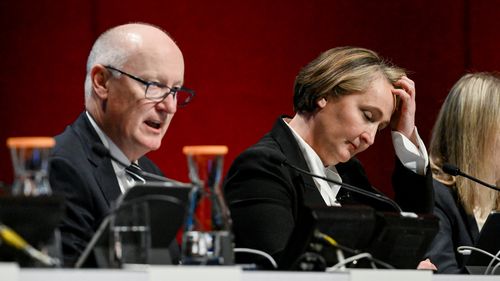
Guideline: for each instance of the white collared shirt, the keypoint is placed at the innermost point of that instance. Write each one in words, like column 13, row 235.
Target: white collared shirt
column 411, row 157
column 327, row 190
column 123, row 181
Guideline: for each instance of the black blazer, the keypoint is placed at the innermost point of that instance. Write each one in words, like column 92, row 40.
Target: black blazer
column 88, row 183
column 265, row 198
column 456, row 228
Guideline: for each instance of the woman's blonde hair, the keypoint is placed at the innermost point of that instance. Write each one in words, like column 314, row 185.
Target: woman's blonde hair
column 340, row 71
column 466, row 131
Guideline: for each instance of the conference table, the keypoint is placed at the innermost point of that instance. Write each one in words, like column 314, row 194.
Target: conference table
column 10, row 272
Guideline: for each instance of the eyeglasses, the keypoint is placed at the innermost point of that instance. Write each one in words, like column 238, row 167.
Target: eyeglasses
column 158, row 92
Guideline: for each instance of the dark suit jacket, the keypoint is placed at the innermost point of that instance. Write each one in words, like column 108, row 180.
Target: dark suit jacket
column 266, row 198
column 88, row 183
column 456, row 228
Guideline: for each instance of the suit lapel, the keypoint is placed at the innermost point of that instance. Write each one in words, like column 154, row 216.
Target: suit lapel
column 104, row 173
column 106, row 179
column 286, row 140
column 471, row 223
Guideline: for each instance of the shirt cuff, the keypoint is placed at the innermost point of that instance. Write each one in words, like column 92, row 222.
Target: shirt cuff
column 412, row 157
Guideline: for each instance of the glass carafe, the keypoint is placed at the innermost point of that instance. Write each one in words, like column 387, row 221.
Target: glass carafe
column 30, row 159
column 207, row 238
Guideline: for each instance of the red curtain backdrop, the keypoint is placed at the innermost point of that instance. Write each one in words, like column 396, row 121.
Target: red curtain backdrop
column 241, row 57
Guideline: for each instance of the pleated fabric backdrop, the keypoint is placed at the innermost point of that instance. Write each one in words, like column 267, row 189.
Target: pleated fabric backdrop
column 241, row 57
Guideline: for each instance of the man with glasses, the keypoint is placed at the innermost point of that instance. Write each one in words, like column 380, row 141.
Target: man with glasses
column 133, row 87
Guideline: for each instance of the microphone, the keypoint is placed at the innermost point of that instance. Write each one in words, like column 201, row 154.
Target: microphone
column 453, row 170
column 102, row 151
column 281, row 159
column 11, row 238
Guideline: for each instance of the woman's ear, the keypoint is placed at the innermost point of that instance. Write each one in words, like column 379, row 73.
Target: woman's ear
column 99, row 77
column 322, row 102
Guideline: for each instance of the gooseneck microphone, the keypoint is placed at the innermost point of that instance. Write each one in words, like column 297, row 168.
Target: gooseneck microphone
column 282, row 160
column 102, row 151
column 453, row 170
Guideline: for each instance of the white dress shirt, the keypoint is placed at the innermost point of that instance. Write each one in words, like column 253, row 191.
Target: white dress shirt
column 411, row 157
column 124, row 181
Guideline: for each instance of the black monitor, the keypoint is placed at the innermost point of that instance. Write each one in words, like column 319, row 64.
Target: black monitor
column 167, row 207
column 351, row 226
column 489, row 241
column 35, row 220
column 400, row 241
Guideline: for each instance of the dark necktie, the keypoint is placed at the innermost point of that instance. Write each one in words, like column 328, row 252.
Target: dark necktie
column 134, row 172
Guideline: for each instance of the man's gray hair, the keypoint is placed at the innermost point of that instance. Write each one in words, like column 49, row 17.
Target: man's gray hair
column 108, row 49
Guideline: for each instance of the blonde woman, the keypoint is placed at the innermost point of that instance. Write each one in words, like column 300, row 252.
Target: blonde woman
column 342, row 100
column 466, row 134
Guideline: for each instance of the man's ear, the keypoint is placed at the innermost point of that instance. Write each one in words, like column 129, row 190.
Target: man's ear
column 99, row 77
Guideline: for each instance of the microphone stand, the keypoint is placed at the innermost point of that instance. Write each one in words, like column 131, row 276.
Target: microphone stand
column 103, row 151
column 453, row 170
column 352, row 188
column 479, row 181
